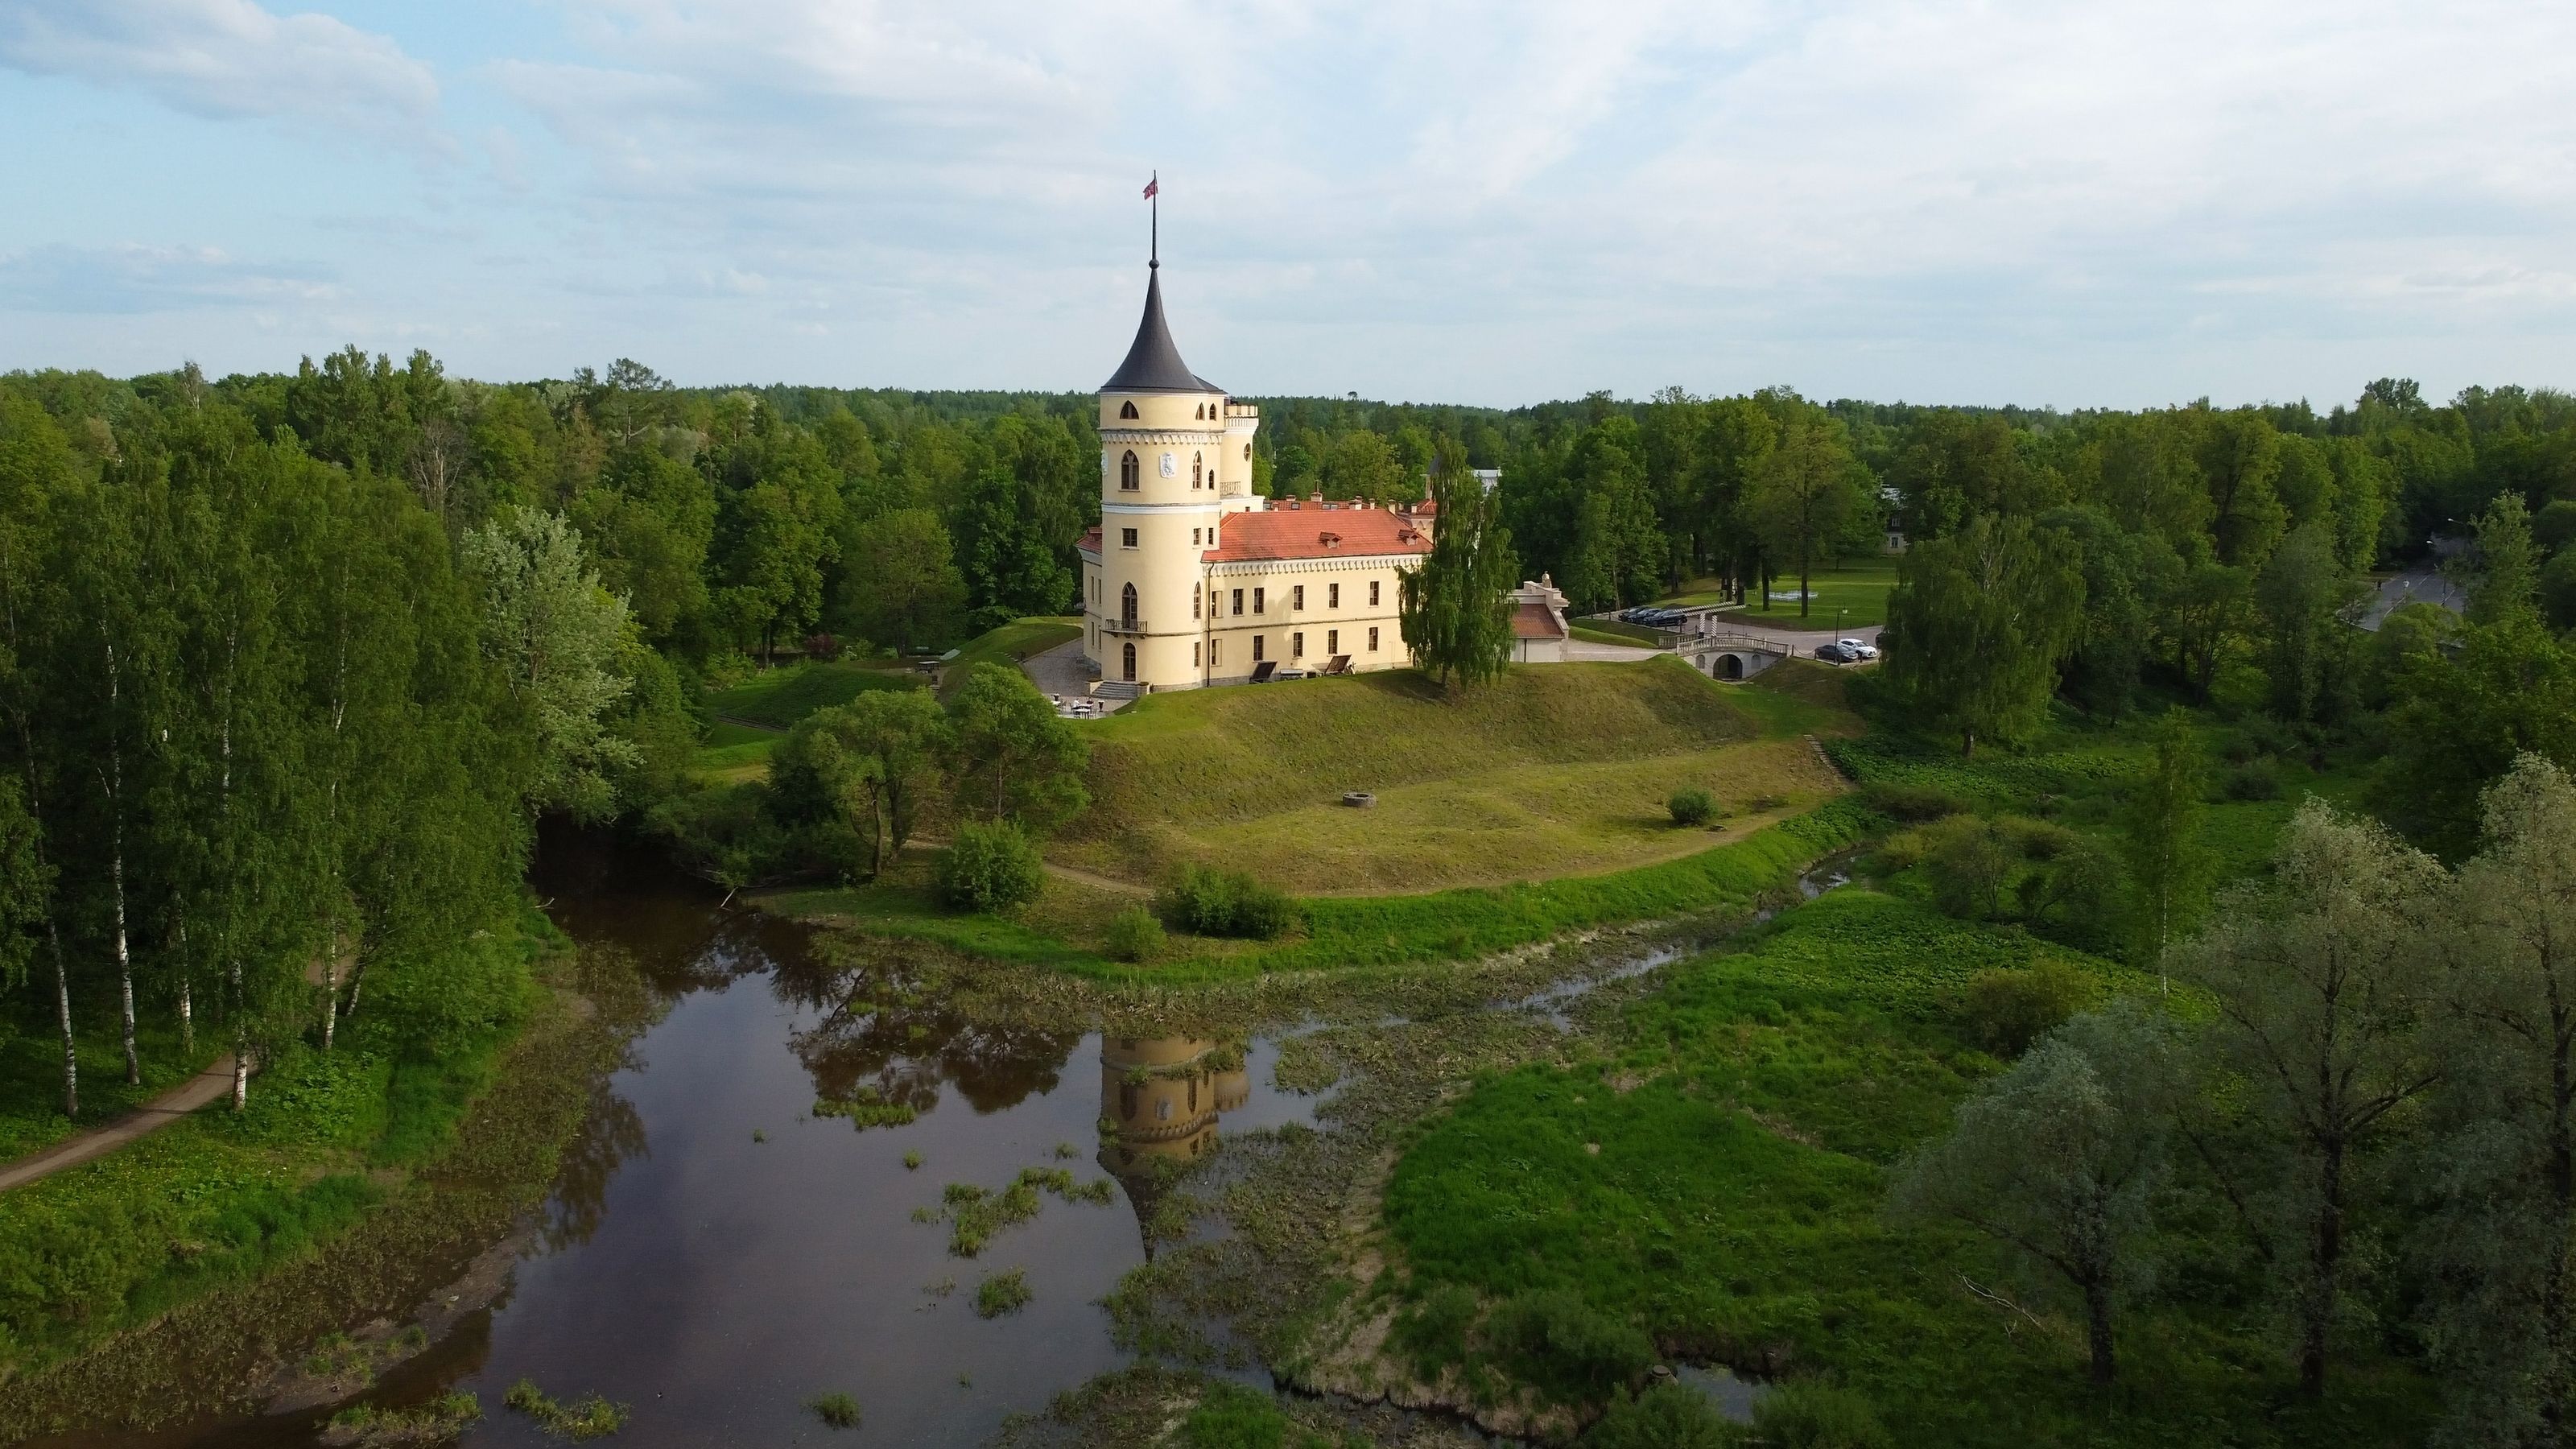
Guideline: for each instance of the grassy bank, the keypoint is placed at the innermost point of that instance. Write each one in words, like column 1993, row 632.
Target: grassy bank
column 1553, row 770
column 778, row 698
column 1013, row 642
column 1063, row 930
column 219, row 1198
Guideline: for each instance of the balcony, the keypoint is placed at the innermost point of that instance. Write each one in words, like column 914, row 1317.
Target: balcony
column 1123, row 626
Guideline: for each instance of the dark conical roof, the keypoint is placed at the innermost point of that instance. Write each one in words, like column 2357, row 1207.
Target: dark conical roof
column 1153, row 364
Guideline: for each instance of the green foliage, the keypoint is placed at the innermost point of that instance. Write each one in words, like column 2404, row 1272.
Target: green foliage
column 836, row 1410
column 1977, row 626
column 1558, row 1341
column 2005, row 1010
column 1012, row 758
column 1665, row 1416
column 590, row 1417
column 1911, row 803
column 1231, row 1416
column 1135, row 936
column 556, row 635
column 1002, row 1294
column 1455, row 613
column 1691, row 807
column 1808, row 1415
column 990, row 867
column 862, row 771
column 1207, row 901
column 778, row 698
column 1431, row 1331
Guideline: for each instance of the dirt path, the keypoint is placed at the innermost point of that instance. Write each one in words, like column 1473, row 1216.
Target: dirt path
column 207, row 1086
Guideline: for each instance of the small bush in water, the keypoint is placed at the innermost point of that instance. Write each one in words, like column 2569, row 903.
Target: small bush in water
column 837, row 1411
column 1004, row 1293
column 990, row 867
column 1134, row 935
column 589, row 1417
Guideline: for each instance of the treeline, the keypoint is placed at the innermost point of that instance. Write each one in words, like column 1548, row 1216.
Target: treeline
column 264, row 757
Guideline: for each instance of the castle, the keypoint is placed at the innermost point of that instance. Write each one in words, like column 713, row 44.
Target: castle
column 1194, row 579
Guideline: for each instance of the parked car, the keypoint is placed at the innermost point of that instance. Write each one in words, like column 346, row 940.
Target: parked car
column 1860, row 648
column 1835, row 653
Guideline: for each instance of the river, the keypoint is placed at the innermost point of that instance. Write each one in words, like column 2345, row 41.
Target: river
column 716, row 1254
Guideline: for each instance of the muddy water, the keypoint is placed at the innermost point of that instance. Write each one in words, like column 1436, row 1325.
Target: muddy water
column 716, row 1254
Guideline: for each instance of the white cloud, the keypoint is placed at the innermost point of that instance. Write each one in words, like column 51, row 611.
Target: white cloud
column 223, row 59
column 131, row 279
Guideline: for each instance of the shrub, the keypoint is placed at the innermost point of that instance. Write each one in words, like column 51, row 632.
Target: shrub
column 1818, row 1416
column 990, row 868
column 1557, row 1341
column 2006, row 1010
column 2253, row 782
column 1691, row 807
column 1230, row 1416
column 1134, row 935
column 1970, row 861
column 1005, row 1292
column 1211, row 902
column 1912, row 804
column 591, row 1417
column 1667, row 1416
column 837, row 1411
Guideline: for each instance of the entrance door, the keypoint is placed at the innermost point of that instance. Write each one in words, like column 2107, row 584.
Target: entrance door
column 1127, row 662
column 1729, row 667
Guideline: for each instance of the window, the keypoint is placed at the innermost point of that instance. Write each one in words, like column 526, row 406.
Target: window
column 1128, row 471
column 1126, row 538
column 1194, row 600
column 1332, row 596
column 1247, row 452
column 1127, row 606
column 1127, row 409
column 1127, row 662
column 1297, row 645
column 1238, row 601
column 1194, row 654
column 1372, row 598
column 1216, row 652
column 1332, row 641
column 1198, row 412
column 1256, row 648
column 1194, row 535
column 1194, row 469
column 1297, row 597
column 1256, row 601
column 1372, row 641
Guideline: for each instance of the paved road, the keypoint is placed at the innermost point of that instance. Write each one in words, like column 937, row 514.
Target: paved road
column 207, row 1086
column 2415, row 586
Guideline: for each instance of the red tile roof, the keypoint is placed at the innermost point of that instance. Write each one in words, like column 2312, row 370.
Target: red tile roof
column 1090, row 541
column 1311, row 532
column 1535, row 621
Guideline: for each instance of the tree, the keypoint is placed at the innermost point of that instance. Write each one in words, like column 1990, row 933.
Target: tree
column 1976, row 626
column 1955, row 466
column 1455, row 607
column 556, row 635
column 2320, row 978
column 1808, row 489
column 2059, row 1159
column 2460, row 718
column 2160, row 832
column 2300, row 595
column 902, row 585
column 2498, row 1247
column 1617, row 553
column 2507, row 581
column 867, row 766
column 1013, row 758
column 1363, row 466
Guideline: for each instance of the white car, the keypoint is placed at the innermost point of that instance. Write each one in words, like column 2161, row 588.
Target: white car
column 1860, row 648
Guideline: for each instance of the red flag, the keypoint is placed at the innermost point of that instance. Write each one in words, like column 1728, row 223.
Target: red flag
column 1152, row 187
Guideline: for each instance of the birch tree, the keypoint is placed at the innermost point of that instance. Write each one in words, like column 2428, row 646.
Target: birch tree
column 556, row 635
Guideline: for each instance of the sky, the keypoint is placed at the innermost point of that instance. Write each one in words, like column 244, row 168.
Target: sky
column 2098, row 204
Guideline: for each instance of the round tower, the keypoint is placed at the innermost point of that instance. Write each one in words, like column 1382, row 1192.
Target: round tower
column 1175, row 457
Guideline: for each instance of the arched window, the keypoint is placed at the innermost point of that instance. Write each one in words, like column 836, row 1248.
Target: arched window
column 1127, row 605
column 1129, row 471
column 1127, row 662
column 1247, row 450
column 1199, row 412
column 1127, row 409
column 1194, row 470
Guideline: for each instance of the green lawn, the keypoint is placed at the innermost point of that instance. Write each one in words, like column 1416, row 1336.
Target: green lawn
column 1845, row 598
column 780, row 697
column 1014, row 642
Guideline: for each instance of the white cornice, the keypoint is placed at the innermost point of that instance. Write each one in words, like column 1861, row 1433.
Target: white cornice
column 1210, row 437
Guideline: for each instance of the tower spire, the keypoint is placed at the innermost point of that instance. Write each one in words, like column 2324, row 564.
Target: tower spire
column 1154, row 221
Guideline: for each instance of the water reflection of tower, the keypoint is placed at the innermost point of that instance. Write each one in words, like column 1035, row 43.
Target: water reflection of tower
column 1159, row 1102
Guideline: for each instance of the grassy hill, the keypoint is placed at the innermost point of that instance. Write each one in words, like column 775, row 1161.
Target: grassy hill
column 1553, row 770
